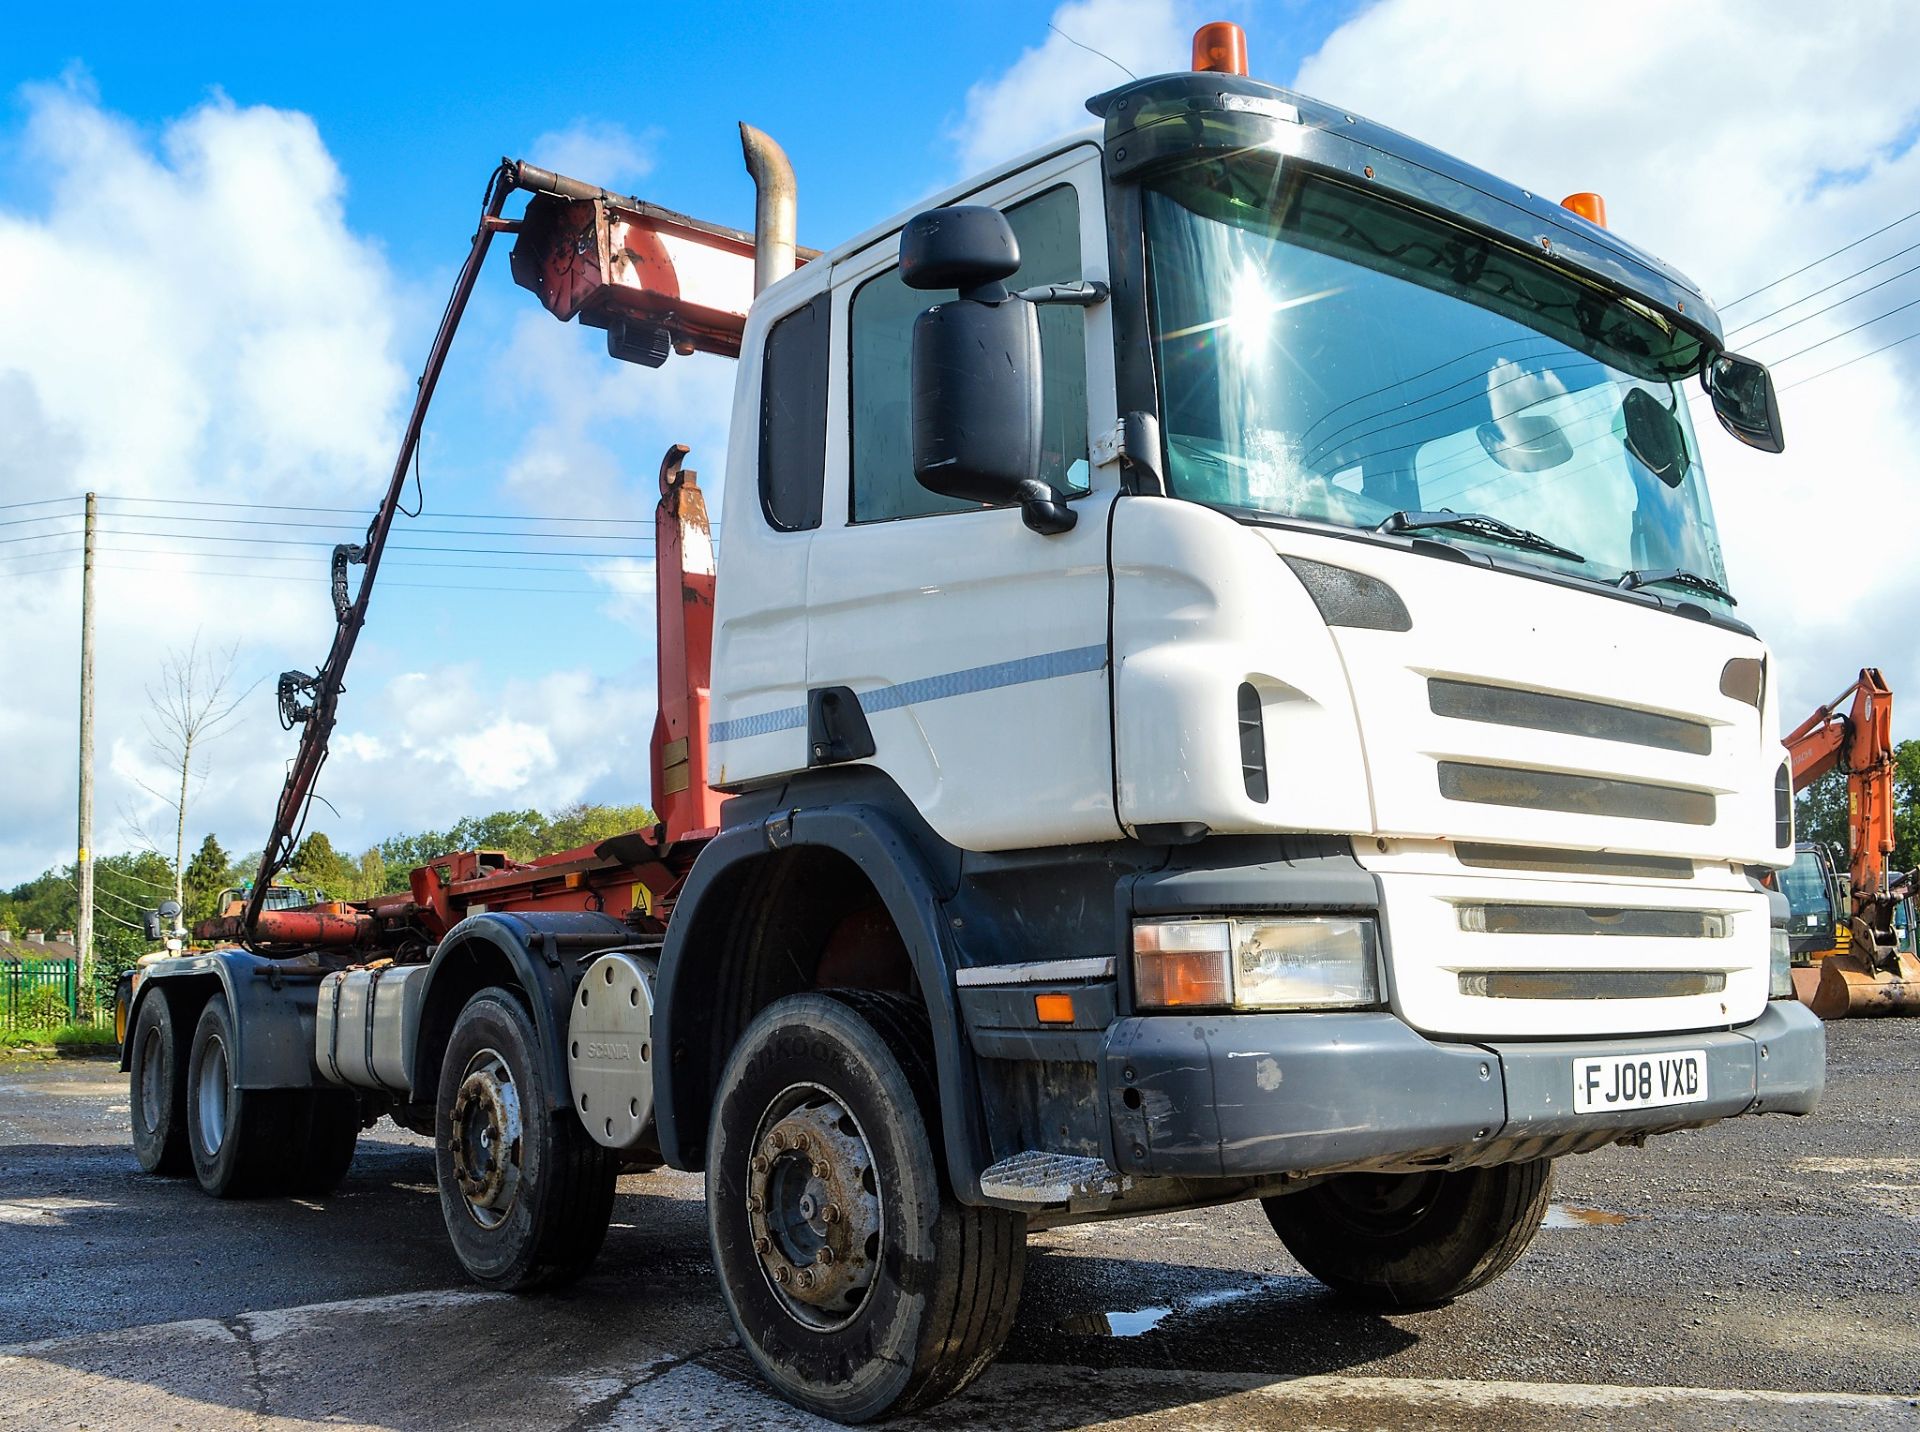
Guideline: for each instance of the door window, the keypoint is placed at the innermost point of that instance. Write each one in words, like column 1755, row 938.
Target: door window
column 1048, row 229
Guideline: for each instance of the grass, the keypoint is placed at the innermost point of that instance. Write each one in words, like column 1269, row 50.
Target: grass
column 79, row 1037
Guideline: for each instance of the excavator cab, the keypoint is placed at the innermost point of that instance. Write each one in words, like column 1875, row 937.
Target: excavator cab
column 1812, row 888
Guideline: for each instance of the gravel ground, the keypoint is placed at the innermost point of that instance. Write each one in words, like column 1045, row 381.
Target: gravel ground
column 1766, row 1254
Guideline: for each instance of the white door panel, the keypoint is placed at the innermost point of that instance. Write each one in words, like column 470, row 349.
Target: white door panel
column 977, row 646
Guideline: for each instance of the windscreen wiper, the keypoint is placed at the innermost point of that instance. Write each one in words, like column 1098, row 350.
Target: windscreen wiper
column 1679, row 577
column 1480, row 525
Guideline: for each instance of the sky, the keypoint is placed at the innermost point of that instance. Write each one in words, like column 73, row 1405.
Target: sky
column 226, row 234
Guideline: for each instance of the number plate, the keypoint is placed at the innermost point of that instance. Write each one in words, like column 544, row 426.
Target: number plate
column 1603, row 1082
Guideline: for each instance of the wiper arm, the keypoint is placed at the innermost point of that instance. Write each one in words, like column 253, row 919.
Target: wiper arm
column 1480, row 525
column 1682, row 578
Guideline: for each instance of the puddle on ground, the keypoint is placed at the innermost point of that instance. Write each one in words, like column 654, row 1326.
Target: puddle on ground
column 1132, row 1323
column 1572, row 1215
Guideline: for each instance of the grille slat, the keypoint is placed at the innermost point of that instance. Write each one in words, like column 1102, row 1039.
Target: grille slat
column 1574, row 794
column 1567, row 716
column 1590, row 984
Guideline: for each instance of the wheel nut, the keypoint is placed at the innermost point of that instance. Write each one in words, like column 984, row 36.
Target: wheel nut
column 783, row 1275
column 831, row 1213
column 822, row 1169
column 824, row 1256
column 776, row 1141
column 806, row 1277
column 759, row 1163
column 753, row 1203
column 763, row 1246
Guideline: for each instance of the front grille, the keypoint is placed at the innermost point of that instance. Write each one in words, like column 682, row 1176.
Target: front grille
column 1575, row 794
column 1508, row 919
column 1567, row 715
column 1486, row 856
column 1590, row 984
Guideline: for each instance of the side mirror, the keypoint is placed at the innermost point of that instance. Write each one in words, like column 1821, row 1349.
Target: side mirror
column 975, row 367
column 150, row 919
column 1744, row 401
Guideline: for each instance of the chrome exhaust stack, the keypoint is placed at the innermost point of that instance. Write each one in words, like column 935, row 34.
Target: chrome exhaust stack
column 774, row 209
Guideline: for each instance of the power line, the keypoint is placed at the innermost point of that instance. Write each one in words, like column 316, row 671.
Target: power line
column 363, row 513
column 1822, row 259
column 1872, row 352
column 494, row 587
column 39, row 502
column 1837, row 303
column 314, row 542
column 1795, row 303
column 596, row 562
column 1844, row 332
column 349, row 527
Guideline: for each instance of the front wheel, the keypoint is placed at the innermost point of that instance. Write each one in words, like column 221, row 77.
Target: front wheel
column 858, row 1284
column 1413, row 1240
column 525, row 1194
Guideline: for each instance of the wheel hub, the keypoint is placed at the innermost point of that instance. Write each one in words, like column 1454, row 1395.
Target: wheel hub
column 486, row 1141
column 813, row 1209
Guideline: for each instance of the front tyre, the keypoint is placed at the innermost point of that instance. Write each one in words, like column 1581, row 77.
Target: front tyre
column 858, row 1284
column 525, row 1194
column 1413, row 1240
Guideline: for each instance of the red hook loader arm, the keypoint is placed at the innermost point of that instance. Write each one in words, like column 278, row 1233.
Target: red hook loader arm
column 655, row 281
column 1870, row 976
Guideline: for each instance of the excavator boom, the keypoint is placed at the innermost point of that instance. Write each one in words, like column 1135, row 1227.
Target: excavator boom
column 1871, row 976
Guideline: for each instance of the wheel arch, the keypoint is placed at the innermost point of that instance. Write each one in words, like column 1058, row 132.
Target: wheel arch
column 270, row 1006
column 707, row 995
column 530, row 954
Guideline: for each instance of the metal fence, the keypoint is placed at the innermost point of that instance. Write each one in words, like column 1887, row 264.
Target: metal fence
column 45, row 994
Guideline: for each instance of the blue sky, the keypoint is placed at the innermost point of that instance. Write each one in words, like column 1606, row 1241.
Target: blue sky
column 134, row 267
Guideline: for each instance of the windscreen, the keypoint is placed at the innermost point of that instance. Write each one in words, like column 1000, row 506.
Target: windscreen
column 1332, row 355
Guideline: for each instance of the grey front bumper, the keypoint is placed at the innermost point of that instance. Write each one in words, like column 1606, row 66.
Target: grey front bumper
column 1208, row 1096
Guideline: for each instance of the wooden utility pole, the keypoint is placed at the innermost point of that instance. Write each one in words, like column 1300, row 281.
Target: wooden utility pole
column 83, row 923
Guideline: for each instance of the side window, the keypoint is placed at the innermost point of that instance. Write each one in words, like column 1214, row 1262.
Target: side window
column 882, row 314
column 793, row 418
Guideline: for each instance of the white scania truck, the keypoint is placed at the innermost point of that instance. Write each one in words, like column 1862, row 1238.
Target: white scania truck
column 1221, row 684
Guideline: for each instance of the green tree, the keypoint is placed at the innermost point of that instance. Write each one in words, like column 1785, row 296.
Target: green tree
column 205, row 877
column 316, row 862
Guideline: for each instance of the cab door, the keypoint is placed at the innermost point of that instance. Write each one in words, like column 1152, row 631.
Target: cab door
column 978, row 649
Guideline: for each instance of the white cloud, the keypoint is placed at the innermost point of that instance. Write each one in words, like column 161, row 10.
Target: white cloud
column 597, row 152
column 578, row 453
column 1043, row 94
column 460, row 742
column 1737, row 141
column 183, row 314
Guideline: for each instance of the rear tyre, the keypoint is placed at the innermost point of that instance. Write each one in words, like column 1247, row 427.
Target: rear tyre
column 157, row 1090
column 525, row 1193
column 333, row 1132
column 1413, row 1240
column 244, row 1142
column 858, row 1284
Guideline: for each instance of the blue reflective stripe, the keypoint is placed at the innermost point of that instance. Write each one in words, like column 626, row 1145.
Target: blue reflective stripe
column 1044, row 667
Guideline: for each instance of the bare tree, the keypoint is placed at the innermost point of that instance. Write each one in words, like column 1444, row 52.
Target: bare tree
column 190, row 708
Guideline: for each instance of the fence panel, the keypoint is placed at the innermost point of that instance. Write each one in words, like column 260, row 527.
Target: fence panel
column 39, row 994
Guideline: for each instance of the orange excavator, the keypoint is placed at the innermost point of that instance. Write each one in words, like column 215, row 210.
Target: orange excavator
column 1866, row 972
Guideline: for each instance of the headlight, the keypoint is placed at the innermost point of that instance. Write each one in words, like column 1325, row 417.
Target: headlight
column 1255, row 963
column 1779, row 964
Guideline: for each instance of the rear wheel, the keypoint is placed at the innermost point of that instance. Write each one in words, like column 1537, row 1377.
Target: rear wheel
column 858, row 1284
column 245, row 1142
column 157, row 1090
column 525, row 1193
column 333, row 1132
column 1414, row 1240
